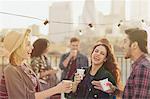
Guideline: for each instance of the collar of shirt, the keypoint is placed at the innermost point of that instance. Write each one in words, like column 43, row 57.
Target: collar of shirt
column 139, row 60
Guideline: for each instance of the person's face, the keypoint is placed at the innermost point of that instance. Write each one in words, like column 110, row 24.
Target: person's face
column 25, row 49
column 99, row 55
column 126, row 47
column 47, row 50
column 75, row 45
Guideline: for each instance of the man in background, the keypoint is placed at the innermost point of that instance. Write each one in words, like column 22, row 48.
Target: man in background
column 72, row 60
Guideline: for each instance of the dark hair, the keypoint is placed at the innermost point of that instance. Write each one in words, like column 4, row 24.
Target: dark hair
column 74, row 39
column 111, row 65
column 40, row 45
column 139, row 36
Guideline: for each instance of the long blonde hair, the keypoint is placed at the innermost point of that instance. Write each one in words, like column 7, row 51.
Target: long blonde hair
column 14, row 57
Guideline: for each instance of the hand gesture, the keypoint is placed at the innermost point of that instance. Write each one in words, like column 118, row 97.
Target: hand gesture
column 77, row 78
column 65, row 86
column 98, row 86
column 73, row 53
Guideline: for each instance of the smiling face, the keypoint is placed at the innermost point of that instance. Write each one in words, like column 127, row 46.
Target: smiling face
column 99, row 55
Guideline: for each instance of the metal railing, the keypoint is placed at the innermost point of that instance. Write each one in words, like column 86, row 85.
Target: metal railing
column 54, row 61
column 125, row 65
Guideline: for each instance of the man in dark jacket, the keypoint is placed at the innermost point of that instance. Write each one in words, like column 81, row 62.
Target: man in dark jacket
column 73, row 60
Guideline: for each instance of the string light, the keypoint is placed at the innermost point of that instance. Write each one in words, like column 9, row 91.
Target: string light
column 31, row 17
column 91, row 26
column 80, row 32
column 46, row 21
column 120, row 23
column 142, row 20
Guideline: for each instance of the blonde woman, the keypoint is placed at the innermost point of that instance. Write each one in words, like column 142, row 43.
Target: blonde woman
column 21, row 81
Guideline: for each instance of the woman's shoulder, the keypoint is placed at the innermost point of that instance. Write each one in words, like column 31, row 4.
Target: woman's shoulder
column 106, row 72
column 11, row 70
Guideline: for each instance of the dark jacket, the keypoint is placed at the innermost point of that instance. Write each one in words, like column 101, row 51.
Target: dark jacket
column 81, row 62
column 85, row 92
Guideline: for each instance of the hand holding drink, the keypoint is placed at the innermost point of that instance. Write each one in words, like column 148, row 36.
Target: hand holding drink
column 104, row 85
column 65, row 86
column 81, row 73
column 73, row 53
column 79, row 76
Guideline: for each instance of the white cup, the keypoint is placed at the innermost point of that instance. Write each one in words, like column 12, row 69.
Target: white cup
column 81, row 72
column 104, row 84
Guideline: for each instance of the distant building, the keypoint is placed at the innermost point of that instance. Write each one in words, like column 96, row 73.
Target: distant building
column 35, row 29
column 60, row 12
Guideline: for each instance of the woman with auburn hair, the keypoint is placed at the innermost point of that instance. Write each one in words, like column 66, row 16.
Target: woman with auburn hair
column 21, row 81
column 102, row 67
column 114, row 69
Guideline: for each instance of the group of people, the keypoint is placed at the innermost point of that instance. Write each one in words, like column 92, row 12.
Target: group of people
column 38, row 80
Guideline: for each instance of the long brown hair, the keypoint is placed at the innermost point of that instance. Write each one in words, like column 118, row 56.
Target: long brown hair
column 111, row 65
column 40, row 45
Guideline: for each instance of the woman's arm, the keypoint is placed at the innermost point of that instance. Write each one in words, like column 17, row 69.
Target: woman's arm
column 63, row 87
column 17, row 89
column 47, row 72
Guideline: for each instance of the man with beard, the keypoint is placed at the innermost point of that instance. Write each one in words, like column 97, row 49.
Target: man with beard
column 138, row 83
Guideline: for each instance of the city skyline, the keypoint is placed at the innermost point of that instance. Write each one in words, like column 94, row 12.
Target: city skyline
column 35, row 8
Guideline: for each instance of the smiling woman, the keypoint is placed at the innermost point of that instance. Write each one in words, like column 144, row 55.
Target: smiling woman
column 102, row 66
column 21, row 81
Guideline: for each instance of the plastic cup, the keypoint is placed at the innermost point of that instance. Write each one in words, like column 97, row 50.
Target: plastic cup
column 81, row 72
column 104, row 84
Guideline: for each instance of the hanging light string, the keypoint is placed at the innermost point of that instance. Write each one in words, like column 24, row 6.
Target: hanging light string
column 22, row 16
column 31, row 17
column 77, row 30
column 46, row 21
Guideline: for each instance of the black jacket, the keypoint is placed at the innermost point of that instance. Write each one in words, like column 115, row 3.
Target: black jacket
column 84, row 92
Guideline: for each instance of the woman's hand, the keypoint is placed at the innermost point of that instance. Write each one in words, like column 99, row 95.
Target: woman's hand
column 65, row 86
column 98, row 86
column 77, row 80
